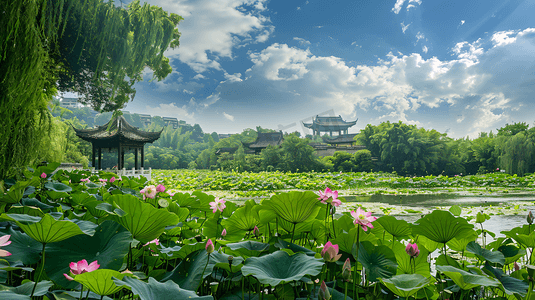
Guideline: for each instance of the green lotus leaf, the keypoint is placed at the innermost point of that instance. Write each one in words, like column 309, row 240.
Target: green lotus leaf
column 346, row 241
column 108, row 246
column 406, row 285
column 81, row 198
column 47, row 229
column 142, row 220
column 466, row 280
column 294, row 207
column 181, row 212
column 485, row 254
column 441, row 226
column 397, row 228
column 186, row 200
column 459, row 244
column 93, row 210
column 156, row 290
column 189, row 272
column 511, row 253
column 379, row 261
column 527, row 240
column 58, row 187
column 241, row 221
column 282, row 244
column 25, row 290
column 26, row 210
column 6, row 266
column 23, row 248
column 510, row 285
column 100, row 281
column 204, row 200
column 279, row 267
column 482, row 217
column 456, row 210
column 15, row 193
column 405, row 264
column 248, row 248
column 36, row 203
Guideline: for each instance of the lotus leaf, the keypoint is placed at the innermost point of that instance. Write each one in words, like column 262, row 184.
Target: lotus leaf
column 47, row 229
column 279, row 267
column 108, row 246
column 510, row 285
column 485, row 254
column 242, row 220
column 142, row 220
column 406, row 285
column 25, row 290
column 23, row 248
column 441, row 226
column 248, row 248
column 466, row 280
column 379, row 261
column 156, row 290
column 405, row 264
column 100, row 281
column 58, row 187
column 397, row 228
column 294, row 207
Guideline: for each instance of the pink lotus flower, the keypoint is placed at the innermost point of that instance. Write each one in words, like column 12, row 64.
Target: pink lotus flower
column 43, row 175
column 218, row 204
column 256, row 231
column 149, row 191
column 155, row 241
column 170, row 193
column 103, row 180
column 329, row 194
column 412, row 250
column 4, row 241
column 160, row 188
column 209, row 246
column 363, row 218
column 112, row 180
column 84, row 180
column 224, row 232
column 80, row 268
column 330, row 252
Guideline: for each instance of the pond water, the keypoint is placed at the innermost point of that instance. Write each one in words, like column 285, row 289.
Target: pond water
column 506, row 210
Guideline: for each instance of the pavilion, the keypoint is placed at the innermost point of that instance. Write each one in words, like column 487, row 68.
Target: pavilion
column 330, row 125
column 265, row 139
column 121, row 136
column 346, row 139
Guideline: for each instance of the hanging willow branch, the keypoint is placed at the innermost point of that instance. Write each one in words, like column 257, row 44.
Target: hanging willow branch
column 88, row 46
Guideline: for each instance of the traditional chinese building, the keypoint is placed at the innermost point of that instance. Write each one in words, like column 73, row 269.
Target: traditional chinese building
column 117, row 134
column 265, row 139
column 330, row 125
column 345, row 139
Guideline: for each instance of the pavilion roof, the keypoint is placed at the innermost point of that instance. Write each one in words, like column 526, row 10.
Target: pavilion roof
column 329, row 122
column 120, row 129
column 265, row 139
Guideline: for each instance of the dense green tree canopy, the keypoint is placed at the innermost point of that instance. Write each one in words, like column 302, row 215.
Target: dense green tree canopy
column 92, row 47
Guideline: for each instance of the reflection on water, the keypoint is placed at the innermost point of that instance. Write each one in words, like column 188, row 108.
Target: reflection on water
column 430, row 200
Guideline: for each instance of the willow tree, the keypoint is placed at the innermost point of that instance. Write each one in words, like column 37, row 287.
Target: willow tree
column 91, row 47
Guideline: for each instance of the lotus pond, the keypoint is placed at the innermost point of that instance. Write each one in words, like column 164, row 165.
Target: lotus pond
column 74, row 235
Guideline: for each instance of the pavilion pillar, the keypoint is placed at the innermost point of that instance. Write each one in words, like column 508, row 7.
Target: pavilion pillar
column 99, row 158
column 142, row 157
column 119, row 150
column 136, row 166
column 122, row 157
column 93, row 157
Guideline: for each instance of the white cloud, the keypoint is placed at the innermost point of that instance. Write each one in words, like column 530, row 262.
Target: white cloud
column 215, row 28
column 419, row 36
column 170, row 110
column 425, row 49
column 301, row 41
column 404, row 27
column 228, row 117
column 479, row 88
column 397, row 6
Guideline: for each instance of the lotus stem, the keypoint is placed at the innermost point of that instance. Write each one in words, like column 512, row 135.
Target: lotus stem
column 40, row 270
column 293, row 232
column 345, row 291
column 202, row 275
column 81, row 292
column 355, row 292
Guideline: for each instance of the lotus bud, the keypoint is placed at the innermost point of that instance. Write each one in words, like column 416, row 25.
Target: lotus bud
column 256, row 231
column 412, row 250
column 224, row 232
column 209, row 247
column 112, row 180
column 160, row 188
column 346, row 270
column 330, row 252
column 43, row 175
column 230, row 259
column 324, row 293
column 530, row 218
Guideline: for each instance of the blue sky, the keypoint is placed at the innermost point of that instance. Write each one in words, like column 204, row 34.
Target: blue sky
column 456, row 66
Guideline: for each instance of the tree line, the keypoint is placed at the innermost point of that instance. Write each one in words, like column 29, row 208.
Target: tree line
column 390, row 147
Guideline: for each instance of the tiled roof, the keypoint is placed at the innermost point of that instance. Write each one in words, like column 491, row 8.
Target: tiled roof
column 119, row 128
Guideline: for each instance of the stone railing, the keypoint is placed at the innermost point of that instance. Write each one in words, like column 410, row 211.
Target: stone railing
column 129, row 172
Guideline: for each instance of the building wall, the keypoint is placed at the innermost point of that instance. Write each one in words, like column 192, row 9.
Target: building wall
column 329, row 150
